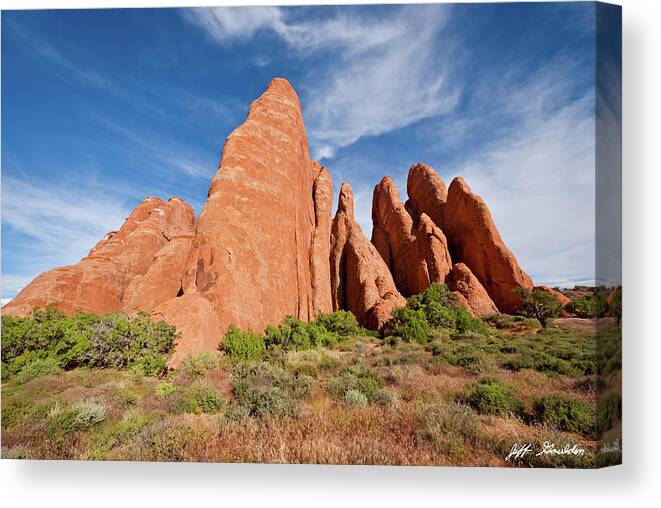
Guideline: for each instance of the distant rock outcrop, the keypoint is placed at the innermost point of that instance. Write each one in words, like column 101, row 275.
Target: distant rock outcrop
column 129, row 266
column 472, row 236
column 465, row 283
column 417, row 255
column 360, row 279
column 476, row 242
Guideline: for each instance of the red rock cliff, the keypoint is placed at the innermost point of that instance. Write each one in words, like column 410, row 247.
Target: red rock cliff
column 262, row 242
column 360, row 279
column 126, row 266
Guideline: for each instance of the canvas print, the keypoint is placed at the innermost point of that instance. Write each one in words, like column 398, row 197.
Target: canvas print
column 384, row 234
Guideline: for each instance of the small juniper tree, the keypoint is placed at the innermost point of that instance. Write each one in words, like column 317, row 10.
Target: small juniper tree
column 538, row 304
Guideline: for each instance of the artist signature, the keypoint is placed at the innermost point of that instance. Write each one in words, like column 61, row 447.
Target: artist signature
column 519, row 451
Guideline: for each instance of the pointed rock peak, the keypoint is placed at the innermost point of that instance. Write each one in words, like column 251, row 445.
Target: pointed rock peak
column 281, row 88
column 458, row 183
column 425, row 223
column 427, row 193
column 345, row 201
column 423, row 178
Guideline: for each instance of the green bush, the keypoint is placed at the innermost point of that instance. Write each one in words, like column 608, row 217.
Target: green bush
column 37, row 368
column 358, row 378
column 197, row 364
column 609, row 412
column 111, row 340
column 592, row 305
column 82, row 414
column 411, row 325
column 565, row 413
column 341, row 322
column 203, row 398
column 507, row 321
column 538, row 304
column 490, row 397
column 164, row 390
column 355, row 398
column 242, row 345
column 264, row 390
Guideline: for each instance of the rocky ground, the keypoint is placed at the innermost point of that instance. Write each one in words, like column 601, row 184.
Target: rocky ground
column 465, row 400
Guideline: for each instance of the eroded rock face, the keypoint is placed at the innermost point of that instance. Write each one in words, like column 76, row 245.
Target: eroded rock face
column 427, row 193
column 360, row 279
column 465, row 283
column 475, row 241
column 416, row 254
column 264, row 232
column 197, row 324
column 320, row 250
column 118, row 268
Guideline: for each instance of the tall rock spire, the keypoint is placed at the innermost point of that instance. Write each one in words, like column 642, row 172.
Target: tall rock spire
column 360, row 280
column 262, row 241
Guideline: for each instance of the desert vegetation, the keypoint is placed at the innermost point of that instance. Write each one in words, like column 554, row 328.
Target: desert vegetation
column 436, row 387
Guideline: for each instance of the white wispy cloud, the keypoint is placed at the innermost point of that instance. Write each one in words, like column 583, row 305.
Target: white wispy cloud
column 383, row 72
column 538, row 177
column 57, row 225
column 167, row 154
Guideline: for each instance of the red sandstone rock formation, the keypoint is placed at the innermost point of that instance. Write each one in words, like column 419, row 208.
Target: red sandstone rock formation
column 417, row 255
column 262, row 241
column 110, row 274
column 360, row 279
column 265, row 246
column 465, row 283
column 320, row 250
column 196, row 321
column 472, row 236
column 427, row 193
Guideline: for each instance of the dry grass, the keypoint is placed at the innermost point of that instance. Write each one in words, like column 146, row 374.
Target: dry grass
column 421, row 423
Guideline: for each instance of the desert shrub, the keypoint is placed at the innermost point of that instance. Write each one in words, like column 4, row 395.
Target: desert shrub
column 203, row 398
column 609, row 351
column 540, row 361
column 592, row 305
column 447, row 427
column 435, row 293
column 609, row 412
column 507, row 321
column 540, row 305
column 355, row 398
column 37, row 368
column 470, row 358
column 437, row 308
column 85, row 339
column 268, row 402
column 489, row 396
column 361, row 379
column 164, row 390
column 264, row 390
column 197, row 365
column 565, row 413
column 118, row 434
column 436, row 348
column 242, row 345
column 79, row 416
column 440, row 316
column 411, row 325
column 342, row 323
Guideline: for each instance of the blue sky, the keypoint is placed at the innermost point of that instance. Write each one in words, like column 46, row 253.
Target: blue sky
column 101, row 108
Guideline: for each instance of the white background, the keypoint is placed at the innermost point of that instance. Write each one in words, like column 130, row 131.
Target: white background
column 636, row 483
